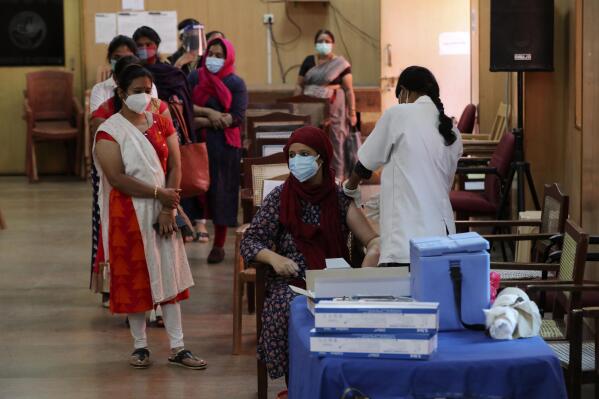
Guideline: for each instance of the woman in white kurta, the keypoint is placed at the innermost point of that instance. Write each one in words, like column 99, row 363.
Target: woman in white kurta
column 418, row 148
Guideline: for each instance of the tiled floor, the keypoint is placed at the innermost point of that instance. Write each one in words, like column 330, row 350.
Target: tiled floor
column 57, row 342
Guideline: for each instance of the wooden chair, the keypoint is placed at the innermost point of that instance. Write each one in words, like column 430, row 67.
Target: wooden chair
column 256, row 170
column 497, row 130
column 570, row 270
column 553, row 217
column 579, row 357
column 271, row 129
column 316, row 108
column 52, row 113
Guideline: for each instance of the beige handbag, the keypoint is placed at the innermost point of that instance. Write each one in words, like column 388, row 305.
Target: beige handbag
column 101, row 279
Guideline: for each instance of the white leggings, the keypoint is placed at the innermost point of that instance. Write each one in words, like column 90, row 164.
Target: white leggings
column 172, row 323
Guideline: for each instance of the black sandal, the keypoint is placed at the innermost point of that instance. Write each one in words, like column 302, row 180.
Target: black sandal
column 140, row 358
column 185, row 358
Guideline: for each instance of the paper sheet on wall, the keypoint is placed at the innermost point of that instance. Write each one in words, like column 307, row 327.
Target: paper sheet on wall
column 105, row 27
column 132, row 5
column 454, row 43
column 165, row 24
column 128, row 22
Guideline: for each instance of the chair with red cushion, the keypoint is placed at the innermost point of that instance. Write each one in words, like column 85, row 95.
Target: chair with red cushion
column 486, row 203
column 466, row 122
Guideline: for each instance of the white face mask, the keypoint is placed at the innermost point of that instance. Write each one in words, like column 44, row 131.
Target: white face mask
column 324, row 48
column 138, row 102
column 214, row 64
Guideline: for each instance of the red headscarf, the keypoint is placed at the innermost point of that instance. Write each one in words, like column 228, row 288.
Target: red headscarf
column 316, row 243
column 211, row 85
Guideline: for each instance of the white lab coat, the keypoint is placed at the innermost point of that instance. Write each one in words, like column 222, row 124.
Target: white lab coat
column 418, row 172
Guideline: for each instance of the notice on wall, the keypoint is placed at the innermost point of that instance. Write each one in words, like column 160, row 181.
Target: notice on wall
column 454, row 43
column 134, row 5
column 163, row 22
column 105, row 27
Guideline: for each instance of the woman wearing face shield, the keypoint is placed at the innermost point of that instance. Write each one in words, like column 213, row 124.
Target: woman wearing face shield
column 418, row 148
column 136, row 154
column 220, row 101
column 327, row 75
column 299, row 225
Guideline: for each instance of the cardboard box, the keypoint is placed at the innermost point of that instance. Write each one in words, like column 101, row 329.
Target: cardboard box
column 431, row 259
column 395, row 346
column 374, row 317
column 369, row 281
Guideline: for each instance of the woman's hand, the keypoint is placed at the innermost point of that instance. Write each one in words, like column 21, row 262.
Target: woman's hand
column 169, row 197
column 353, row 119
column 373, row 252
column 216, row 119
column 166, row 222
column 284, row 266
column 185, row 59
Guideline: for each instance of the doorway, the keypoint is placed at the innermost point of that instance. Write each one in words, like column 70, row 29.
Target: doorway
column 435, row 34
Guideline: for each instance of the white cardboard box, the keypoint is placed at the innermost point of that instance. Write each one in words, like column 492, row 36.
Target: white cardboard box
column 374, row 317
column 368, row 281
column 397, row 346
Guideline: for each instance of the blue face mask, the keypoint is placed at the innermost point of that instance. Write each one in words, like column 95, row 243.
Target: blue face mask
column 214, row 64
column 113, row 64
column 303, row 167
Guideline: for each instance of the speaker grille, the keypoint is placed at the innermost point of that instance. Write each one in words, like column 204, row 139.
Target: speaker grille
column 522, row 35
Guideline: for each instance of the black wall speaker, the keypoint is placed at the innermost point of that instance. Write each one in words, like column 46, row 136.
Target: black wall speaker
column 521, row 35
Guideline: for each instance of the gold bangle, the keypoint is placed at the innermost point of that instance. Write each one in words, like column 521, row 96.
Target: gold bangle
column 155, row 192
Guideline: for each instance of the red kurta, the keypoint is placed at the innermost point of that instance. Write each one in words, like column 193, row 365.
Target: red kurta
column 129, row 279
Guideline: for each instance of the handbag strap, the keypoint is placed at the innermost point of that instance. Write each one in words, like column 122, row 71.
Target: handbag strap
column 455, row 272
column 176, row 109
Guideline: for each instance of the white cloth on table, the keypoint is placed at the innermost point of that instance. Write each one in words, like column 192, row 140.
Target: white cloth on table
column 513, row 315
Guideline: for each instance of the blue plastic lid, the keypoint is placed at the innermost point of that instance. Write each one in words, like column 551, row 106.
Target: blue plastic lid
column 454, row 243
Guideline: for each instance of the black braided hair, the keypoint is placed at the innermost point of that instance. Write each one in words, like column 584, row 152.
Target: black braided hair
column 421, row 80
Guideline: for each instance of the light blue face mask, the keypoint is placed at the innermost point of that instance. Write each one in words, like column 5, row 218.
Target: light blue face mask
column 303, row 167
column 324, row 48
column 214, row 64
column 113, row 64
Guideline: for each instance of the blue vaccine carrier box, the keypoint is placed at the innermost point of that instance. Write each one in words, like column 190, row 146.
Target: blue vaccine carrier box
column 430, row 280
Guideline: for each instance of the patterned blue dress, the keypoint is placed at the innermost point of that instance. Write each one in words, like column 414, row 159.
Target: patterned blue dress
column 266, row 232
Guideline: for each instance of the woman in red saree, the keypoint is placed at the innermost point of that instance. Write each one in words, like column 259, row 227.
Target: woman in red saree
column 137, row 157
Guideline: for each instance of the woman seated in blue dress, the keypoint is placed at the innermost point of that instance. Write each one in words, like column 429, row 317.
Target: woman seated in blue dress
column 300, row 224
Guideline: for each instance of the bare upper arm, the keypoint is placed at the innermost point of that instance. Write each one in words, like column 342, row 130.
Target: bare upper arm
column 174, row 156
column 359, row 225
column 109, row 156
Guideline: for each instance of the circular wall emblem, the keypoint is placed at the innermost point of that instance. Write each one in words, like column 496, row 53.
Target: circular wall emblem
column 27, row 30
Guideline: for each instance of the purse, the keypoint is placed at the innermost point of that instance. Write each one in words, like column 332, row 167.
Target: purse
column 101, row 278
column 195, row 179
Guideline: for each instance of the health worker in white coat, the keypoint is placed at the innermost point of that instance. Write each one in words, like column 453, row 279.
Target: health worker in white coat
column 418, row 148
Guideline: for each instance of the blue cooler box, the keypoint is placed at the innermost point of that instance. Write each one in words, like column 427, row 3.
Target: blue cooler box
column 430, row 281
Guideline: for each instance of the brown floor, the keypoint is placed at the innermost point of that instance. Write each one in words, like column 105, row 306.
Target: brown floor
column 56, row 340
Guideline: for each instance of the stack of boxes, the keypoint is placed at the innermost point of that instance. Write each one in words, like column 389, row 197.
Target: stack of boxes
column 368, row 328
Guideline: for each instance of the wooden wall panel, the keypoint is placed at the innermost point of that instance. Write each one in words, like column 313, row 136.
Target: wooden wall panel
column 491, row 84
column 12, row 80
column 241, row 20
column 590, row 118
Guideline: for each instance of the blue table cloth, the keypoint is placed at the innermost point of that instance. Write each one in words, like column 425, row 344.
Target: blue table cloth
column 467, row 364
